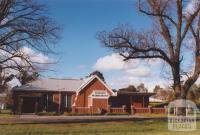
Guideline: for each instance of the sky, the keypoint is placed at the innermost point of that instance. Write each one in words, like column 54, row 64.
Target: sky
column 80, row 53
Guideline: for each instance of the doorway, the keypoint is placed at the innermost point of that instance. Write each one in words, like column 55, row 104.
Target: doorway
column 29, row 104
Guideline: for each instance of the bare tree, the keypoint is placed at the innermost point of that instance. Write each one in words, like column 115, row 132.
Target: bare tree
column 173, row 21
column 26, row 77
column 24, row 23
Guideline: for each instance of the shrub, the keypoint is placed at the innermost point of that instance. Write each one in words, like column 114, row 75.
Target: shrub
column 80, row 114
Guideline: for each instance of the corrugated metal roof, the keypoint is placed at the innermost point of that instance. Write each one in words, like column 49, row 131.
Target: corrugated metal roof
column 52, row 85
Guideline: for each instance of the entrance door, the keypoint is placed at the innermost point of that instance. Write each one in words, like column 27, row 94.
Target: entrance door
column 28, row 105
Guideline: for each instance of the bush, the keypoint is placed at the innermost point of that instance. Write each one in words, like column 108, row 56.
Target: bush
column 80, row 114
column 6, row 111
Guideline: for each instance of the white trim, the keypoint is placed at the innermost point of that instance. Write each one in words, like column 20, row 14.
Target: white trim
column 105, row 94
column 99, row 97
column 53, row 97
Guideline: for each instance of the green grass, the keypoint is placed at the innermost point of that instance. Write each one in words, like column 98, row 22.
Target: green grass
column 153, row 115
column 106, row 128
column 7, row 114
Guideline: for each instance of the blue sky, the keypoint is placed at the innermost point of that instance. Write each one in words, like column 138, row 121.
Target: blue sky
column 81, row 21
column 78, row 48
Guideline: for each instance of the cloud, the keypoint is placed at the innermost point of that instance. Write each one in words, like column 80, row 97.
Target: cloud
column 120, row 74
column 134, row 67
column 39, row 61
column 191, row 7
column 110, row 62
column 140, row 71
column 36, row 57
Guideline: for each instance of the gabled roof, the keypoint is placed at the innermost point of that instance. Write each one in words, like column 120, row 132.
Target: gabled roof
column 68, row 85
column 90, row 79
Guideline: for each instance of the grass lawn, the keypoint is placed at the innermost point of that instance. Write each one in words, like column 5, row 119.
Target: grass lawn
column 106, row 128
column 7, row 114
column 153, row 115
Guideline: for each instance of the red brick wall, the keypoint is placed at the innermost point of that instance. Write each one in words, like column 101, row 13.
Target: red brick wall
column 82, row 98
column 100, row 103
column 56, row 98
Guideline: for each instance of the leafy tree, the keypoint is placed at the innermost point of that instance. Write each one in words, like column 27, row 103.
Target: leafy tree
column 99, row 74
column 157, row 87
column 141, row 88
column 130, row 88
column 167, row 41
column 193, row 93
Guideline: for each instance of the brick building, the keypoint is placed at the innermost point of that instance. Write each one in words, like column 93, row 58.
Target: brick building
column 77, row 95
column 61, row 95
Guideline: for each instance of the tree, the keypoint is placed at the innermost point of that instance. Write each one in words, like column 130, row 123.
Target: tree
column 174, row 22
column 24, row 23
column 4, row 79
column 193, row 93
column 141, row 88
column 26, row 77
column 163, row 93
column 130, row 88
column 156, row 89
column 99, row 74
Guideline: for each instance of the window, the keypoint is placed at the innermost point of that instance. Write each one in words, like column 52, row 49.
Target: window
column 68, row 101
column 49, row 100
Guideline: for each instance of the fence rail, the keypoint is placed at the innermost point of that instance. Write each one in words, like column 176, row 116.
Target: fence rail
column 123, row 109
column 117, row 110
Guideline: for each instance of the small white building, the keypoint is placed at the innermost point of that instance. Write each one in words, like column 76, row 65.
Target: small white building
column 2, row 104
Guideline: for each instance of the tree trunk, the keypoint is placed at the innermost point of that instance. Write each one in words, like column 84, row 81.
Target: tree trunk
column 180, row 92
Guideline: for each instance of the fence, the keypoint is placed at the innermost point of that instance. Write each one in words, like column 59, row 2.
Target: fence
column 141, row 110
column 159, row 110
column 123, row 109
column 81, row 110
column 117, row 110
column 150, row 110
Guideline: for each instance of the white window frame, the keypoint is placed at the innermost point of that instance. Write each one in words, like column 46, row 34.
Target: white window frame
column 99, row 94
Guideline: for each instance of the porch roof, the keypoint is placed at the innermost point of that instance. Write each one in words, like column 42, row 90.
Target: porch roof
column 135, row 93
